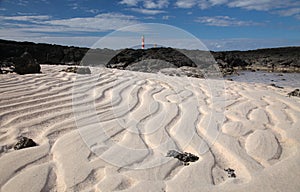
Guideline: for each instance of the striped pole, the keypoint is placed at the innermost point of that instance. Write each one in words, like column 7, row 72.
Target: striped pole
column 143, row 42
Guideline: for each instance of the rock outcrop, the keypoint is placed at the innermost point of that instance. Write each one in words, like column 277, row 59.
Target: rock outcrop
column 26, row 64
column 43, row 53
column 24, row 142
column 183, row 157
column 167, row 55
column 295, row 93
column 285, row 59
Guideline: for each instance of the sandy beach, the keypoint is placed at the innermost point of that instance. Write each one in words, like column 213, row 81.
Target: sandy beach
column 112, row 130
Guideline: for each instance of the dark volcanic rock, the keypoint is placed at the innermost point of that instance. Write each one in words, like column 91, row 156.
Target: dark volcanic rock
column 129, row 57
column 230, row 172
column 183, row 157
column 284, row 59
column 295, row 93
column 26, row 64
column 78, row 70
column 43, row 53
column 274, row 85
column 24, row 142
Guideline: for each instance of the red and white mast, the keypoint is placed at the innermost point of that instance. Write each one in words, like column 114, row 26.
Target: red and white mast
column 143, row 42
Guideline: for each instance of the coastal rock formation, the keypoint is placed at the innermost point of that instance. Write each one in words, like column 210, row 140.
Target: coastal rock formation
column 131, row 56
column 284, row 59
column 24, row 142
column 26, row 64
column 43, row 53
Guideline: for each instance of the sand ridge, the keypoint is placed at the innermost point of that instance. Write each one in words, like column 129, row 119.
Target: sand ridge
column 111, row 131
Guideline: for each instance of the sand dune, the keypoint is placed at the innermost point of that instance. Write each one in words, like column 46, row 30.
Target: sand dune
column 111, row 131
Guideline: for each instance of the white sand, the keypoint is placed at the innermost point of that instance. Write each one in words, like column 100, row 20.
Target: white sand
column 111, row 131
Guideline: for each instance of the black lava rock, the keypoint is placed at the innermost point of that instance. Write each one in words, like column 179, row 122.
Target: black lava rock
column 230, row 173
column 78, row 70
column 183, row 157
column 295, row 93
column 130, row 56
column 274, row 85
column 24, row 142
column 26, row 64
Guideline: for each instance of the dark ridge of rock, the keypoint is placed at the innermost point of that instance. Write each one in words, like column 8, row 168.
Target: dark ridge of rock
column 78, row 70
column 26, row 64
column 295, row 93
column 24, row 142
column 284, row 59
column 128, row 57
column 183, row 157
column 43, row 53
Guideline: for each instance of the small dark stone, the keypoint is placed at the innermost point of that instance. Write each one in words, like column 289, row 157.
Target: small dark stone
column 183, row 157
column 78, row 70
column 273, row 85
column 230, row 173
column 24, row 142
column 295, row 93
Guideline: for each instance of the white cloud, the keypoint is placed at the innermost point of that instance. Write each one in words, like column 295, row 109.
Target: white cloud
column 22, row 2
column 94, row 11
column 260, row 5
column 159, row 4
column 147, row 4
column 101, row 22
column 30, row 18
column 289, row 12
column 283, row 8
column 129, row 2
column 185, row 3
column 37, row 26
column 167, row 17
column 147, row 11
column 224, row 21
column 218, row 2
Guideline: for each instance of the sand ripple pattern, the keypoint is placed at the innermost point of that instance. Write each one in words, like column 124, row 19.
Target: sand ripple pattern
column 110, row 131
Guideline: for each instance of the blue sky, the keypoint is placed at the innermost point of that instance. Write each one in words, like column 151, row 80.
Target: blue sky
column 219, row 24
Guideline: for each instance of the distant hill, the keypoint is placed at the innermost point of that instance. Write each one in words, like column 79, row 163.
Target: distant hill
column 285, row 58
